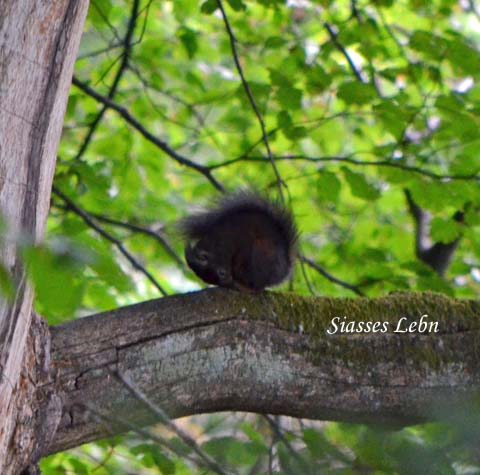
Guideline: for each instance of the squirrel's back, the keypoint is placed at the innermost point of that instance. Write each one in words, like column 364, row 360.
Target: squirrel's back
column 239, row 202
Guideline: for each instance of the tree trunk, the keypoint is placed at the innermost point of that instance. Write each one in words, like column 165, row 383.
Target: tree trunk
column 38, row 45
column 223, row 350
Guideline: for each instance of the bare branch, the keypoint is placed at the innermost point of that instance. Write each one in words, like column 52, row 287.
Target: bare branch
column 341, row 48
column 148, row 135
column 162, row 416
column 136, row 229
column 331, row 277
column 246, row 87
column 113, row 89
column 277, row 430
column 352, row 161
column 116, row 242
column 111, row 425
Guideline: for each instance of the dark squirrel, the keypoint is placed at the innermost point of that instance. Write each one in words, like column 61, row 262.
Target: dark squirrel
column 245, row 241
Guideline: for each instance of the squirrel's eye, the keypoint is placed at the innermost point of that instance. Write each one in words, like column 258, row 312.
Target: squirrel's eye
column 222, row 273
column 202, row 257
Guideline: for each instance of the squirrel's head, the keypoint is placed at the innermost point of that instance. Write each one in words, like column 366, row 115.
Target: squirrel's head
column 207, row 264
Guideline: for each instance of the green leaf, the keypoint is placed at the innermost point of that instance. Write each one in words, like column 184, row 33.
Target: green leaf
column 97, row 15
column 318, row 79
column 320, row 447
column 78, row 466
column 289, row 97
column 445, row 230
column 472, row 216
column 209, row 6
column 237, row 5
column 232, row 451
column 431, row 45
column 360, row 186
column 58, row 289
column 393, row 117
column 315, row 442
column 284, row 120
column 184, row 8
column 162, row 462
column 291, row 132
column 279, row 79
column 188, row 37
column 293, row 462
column 355, row 92
column 109, row 271
column 275, row 42
column 260, row 91
column 463, row 56
column 436, row 196
column 328, row 187
column 384, row 3
column 152, row 456
column 255, row 436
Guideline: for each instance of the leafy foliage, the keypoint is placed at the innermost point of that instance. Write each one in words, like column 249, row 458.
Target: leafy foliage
column 361, row 100
column 304, row 447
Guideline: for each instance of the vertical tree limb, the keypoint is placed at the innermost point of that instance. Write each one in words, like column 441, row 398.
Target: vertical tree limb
column 38, row 45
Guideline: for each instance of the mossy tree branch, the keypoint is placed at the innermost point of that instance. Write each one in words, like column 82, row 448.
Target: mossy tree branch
column 223, row 350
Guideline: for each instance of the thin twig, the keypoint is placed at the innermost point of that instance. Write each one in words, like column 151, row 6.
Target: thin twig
column 127, row 45
column 137, row 229
column 331, row 277
column 352, row 161
column 142, row 230
column 279, row 434
column 341, row 48
column 116, row 242
column 248, row 91
column 98, row 52
column 158, row 439
column 306, row 278
column 165, row 419
column 148, row 135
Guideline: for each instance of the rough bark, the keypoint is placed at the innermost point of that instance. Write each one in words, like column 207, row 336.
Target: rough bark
column 38, row 45
column 223, row 350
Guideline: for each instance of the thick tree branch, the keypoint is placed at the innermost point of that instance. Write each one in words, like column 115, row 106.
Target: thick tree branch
column 269, row 353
